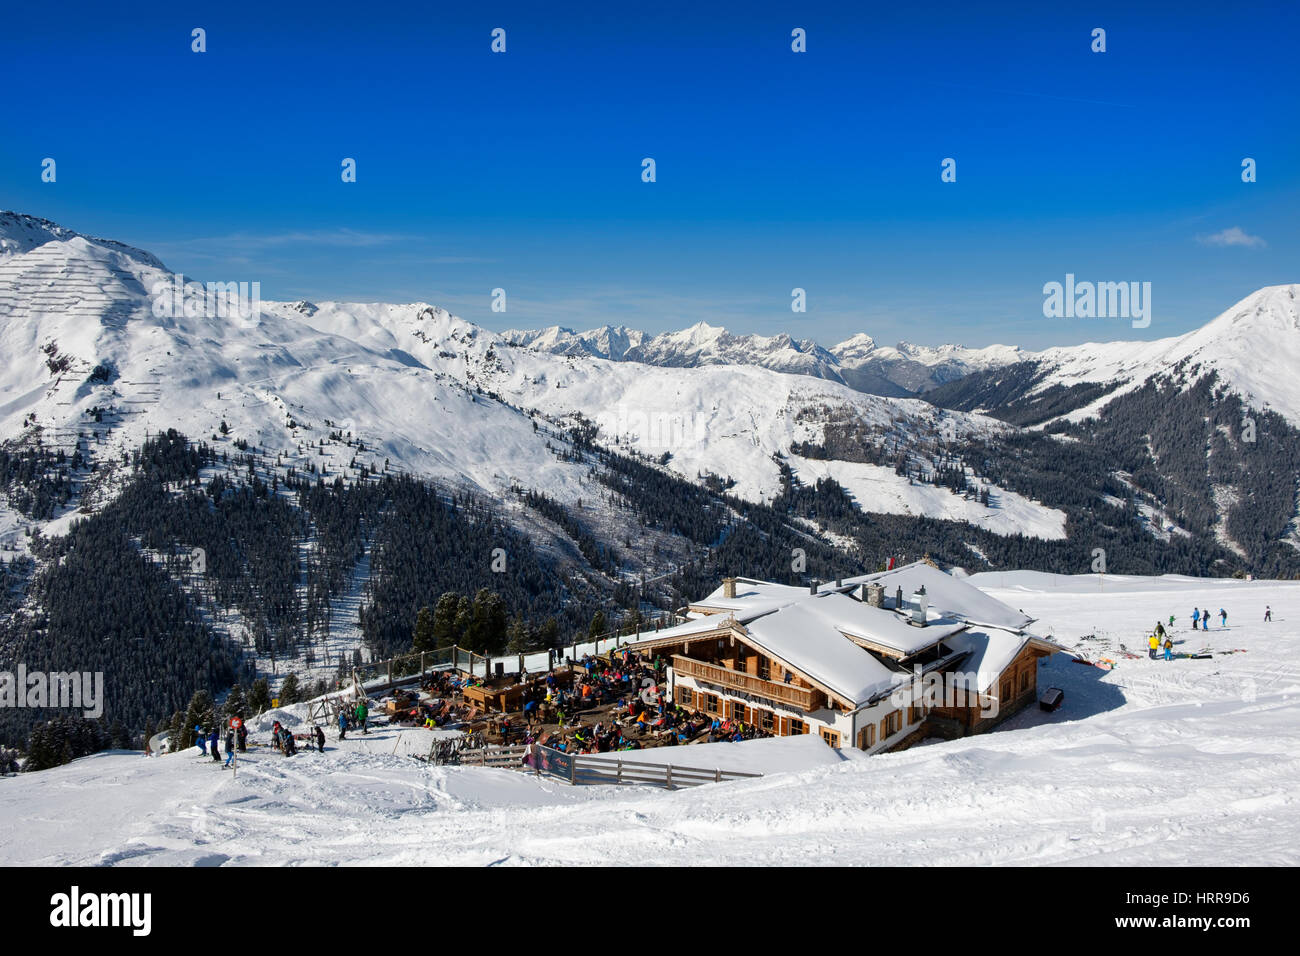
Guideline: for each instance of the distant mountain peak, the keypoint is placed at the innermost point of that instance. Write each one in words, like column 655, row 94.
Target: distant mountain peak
column 21, row 233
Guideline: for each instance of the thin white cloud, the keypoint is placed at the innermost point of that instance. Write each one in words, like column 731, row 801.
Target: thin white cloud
column 318, row 237
column 1233, row 236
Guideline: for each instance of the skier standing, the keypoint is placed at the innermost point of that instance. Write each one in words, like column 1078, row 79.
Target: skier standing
column 213, row 739
column 202, row 740
column 320, row 738
column 1152, row 643
column 1223, row 617
column 343, row 724
column 1268, row 613
column 1205, row 619
column 1196, row 618
column 362, row 714
column 230, row 746
column 1169, row 649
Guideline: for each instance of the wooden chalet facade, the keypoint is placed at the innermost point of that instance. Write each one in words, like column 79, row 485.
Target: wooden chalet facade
column 845, row 662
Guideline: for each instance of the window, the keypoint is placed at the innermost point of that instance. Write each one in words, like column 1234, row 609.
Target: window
column 737, row 710
column 891, row 725
column 1024, row 681
column 867, row 737
column 1006, row 690
column 831, row 737
column 797, row 727
column 711, row 704
column 685, row 696
column 764, row 669
column 765, row 720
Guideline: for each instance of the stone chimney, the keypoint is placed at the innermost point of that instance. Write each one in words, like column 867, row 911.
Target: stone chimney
column 728, row 587
column 874, row 594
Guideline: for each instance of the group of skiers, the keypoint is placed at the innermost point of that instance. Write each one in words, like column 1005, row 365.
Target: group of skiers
column 1160, row 639
column 1202, row 617
column 357, row 717
column 284, row 741
column 235, row 739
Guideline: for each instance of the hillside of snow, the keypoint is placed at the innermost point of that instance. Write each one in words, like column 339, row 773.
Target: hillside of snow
column 1252, row 346
column 1177, row 763
column 878, row 489
column 79, row 331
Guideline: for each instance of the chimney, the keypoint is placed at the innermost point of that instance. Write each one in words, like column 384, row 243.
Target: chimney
column 874, row 594
column 839, row 583
column 898, row 599
column 728, row 587
column 920, row 604
column 812, row 586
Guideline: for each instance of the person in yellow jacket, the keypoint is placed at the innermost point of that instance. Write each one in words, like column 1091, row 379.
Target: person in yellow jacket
column 1153, row 644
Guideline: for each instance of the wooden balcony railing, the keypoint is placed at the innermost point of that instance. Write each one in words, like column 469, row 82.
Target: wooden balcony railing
column 804, row 698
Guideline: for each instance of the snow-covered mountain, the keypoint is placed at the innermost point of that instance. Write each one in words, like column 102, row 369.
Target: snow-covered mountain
column 894, row 371
column 701, row 344
column 1251, row 348
column 21, row 233
column 428, row 393
column 915, row 369
column 608, row 341
column 82, row 341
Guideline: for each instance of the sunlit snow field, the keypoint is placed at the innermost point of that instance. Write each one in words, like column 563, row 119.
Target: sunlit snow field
column 1168, row 763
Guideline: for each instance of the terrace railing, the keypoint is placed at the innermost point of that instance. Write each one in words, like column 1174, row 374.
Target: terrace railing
column 804, row 698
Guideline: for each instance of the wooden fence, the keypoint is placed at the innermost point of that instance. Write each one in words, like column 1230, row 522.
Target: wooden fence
column 587, row 770
column 509, row 757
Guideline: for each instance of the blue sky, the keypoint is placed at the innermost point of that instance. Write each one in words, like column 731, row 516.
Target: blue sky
column 818, row 170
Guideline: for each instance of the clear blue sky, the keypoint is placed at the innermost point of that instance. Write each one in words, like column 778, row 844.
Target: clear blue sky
column 820, row 170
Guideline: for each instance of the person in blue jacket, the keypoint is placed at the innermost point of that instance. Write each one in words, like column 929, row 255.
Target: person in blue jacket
column 201, row 740
column 1196, row 617
column 213, row 738
column 343, row 724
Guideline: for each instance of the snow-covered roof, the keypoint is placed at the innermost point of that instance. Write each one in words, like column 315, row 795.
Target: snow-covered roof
column 752, row 597
column 804, row 638
column 991, row 651
column 822, row 635
column 881, row 627
column 699, row 625
column 952, row 596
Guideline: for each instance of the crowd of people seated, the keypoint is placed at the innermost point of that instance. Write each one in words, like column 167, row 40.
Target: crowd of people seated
column 624, row 691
